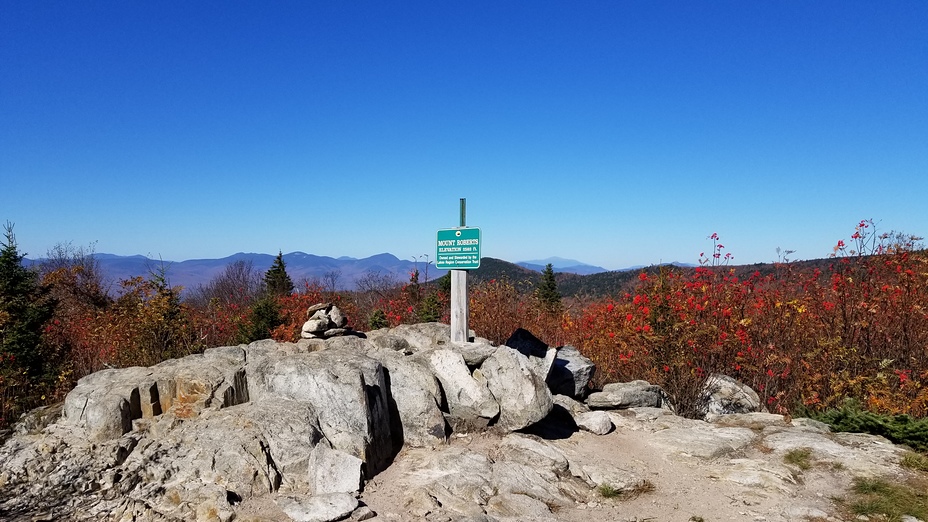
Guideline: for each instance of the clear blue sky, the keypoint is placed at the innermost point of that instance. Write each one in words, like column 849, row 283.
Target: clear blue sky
column 617, row 133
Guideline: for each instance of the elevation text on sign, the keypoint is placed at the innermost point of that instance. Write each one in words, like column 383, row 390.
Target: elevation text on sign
column 458, row 249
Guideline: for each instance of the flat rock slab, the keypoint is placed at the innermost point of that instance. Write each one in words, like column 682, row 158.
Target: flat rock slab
column 758, row 473
column 703, row 443
column 754, row 421
column 512, row 477
column 535, row 453
column 734, row 475
column 515, row 507
column 424, row 336
column 463, row 482
column 621, row 395
column 318, row 508
column 863, row 454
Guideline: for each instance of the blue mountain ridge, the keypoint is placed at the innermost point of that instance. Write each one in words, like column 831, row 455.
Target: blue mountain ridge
column 300, row 266
column 560, row 264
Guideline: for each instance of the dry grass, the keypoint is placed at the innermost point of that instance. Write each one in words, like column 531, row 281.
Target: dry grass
column 915, row 461
column 608, row 491
column 799, row 457
column 879, row 499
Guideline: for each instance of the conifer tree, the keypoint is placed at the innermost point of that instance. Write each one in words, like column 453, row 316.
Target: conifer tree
column 265, row 312
column 444, row 283
column 547, row 291
column 264, row 318
column 24, row 308
column 276, row 280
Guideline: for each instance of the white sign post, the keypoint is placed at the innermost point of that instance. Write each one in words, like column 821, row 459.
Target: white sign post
column 459, row 251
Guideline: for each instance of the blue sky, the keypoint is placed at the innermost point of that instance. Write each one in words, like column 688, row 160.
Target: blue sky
column 615, row 133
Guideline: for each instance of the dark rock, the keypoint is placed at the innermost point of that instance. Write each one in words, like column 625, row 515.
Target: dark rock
column 571, row 373
column 527, row 344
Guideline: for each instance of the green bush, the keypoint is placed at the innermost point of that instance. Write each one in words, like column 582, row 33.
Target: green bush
column 900, row 429
column 377, row 320
column 429, row 309
column 265, row 316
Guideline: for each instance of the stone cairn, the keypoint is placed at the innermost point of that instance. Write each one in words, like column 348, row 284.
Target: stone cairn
column 325, row 320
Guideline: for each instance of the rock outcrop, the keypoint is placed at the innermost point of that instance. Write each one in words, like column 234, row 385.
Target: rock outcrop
column 397, row 424
column 195, row 437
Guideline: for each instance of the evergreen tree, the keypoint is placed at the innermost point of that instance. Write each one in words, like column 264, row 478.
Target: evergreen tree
column 276, row 280
column 24, row 309
column 265, row 312
column 429, row 309
column 547, row 291
column 264, row 318
column 378, row 319
column 444, row 283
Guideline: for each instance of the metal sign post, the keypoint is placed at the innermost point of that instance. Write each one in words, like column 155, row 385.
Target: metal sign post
column 459, row 251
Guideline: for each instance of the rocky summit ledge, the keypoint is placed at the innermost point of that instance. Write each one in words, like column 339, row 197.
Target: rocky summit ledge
column 402, row 424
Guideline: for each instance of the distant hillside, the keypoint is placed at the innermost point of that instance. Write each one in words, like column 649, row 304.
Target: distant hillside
column 592, row 285
column 598, row 285
column 492, row 268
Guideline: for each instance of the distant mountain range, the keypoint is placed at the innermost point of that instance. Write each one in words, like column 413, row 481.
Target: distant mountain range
column 300, row 266
column 347, row 270
column 559, row 264
column 573, row 277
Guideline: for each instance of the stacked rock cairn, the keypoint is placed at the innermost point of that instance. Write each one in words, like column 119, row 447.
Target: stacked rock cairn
column 325, row 320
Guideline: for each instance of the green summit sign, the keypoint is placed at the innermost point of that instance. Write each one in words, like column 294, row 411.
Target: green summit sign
column 458, row 249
